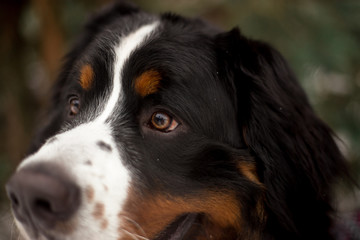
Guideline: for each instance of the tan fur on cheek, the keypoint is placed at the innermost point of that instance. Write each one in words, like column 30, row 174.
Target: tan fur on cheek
column 154, row 213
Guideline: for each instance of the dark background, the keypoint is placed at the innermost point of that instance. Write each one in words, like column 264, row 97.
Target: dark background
column 320, row 39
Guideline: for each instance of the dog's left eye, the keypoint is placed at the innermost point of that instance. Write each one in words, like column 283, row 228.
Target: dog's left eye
column 163, row 122
column 74, row 103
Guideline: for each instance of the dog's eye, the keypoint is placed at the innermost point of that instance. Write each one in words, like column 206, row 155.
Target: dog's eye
column 163, row 122
column 74, row 103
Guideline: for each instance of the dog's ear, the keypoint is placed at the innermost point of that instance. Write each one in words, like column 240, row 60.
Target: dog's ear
column 297, row 158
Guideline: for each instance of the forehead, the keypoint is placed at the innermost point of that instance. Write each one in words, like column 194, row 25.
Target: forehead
column 173, row 45
column 183, row 60
column 181, row 54
column 184, row 55
column 173, row 63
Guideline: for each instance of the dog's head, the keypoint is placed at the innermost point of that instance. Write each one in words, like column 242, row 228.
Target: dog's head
column 164, row 127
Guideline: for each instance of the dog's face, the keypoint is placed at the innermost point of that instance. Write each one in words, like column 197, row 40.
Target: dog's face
column 153, row 134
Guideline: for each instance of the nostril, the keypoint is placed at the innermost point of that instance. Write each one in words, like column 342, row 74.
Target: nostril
column 43, row 205
column 14, row 200
column 43, row 195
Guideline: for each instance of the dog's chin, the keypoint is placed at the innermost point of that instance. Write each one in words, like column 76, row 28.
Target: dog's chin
column 186, row 226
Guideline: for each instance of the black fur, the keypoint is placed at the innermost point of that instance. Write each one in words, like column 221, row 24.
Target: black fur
column 236, row 99
column 297, row 156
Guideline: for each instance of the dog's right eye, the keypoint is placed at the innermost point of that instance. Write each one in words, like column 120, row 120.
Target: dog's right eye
column 74, row 104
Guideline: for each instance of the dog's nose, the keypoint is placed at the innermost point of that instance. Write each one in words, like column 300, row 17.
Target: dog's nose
column 42, row 194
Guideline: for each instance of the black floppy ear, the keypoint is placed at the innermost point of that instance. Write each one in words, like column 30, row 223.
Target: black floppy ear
column 297, row 158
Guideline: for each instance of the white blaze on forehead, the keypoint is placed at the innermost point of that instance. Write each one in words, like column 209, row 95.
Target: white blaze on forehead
column 77, row 152
column 122, row 53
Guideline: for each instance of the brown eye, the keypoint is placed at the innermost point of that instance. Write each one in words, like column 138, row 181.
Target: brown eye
column 163, row 122
column 74, row 106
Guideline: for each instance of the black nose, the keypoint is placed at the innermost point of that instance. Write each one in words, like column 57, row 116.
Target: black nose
column 42, row 194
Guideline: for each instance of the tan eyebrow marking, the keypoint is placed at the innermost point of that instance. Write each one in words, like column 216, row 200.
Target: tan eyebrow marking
column 147, row 83
column 86, row 76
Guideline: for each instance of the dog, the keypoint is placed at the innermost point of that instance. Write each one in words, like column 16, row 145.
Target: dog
column 167, row 128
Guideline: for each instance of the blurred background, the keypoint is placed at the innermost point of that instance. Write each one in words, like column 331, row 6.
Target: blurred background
column 320, row 39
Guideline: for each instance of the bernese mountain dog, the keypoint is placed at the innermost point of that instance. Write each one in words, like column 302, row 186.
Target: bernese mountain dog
column 167, row 128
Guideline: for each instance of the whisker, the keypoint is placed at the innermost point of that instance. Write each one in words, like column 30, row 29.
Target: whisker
column 130, row 234
column 136, row 225
column 134, row 235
